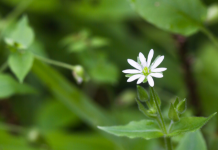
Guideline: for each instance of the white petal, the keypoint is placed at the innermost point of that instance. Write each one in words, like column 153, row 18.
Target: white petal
column 150, row 56
column 158, row 69
column 134, row 77
column 131, row 71
column 134, row 64
column 157, row 75
column 141, row 79
column 150, row 81
column 142, row 59
column 157, row 62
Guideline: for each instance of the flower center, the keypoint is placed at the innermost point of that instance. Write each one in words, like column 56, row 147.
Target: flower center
column 146, row 71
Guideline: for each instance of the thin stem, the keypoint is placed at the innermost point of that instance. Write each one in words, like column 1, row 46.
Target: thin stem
column 53, row 62
column 4, row 66
column 171, row 123
column 161, row 122
column 210, row 36
column 159, row 111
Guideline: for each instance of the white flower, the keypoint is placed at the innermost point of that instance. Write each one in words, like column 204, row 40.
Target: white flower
column 144, row 69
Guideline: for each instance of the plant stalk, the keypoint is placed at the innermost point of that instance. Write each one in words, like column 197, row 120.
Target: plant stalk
column 168, row 143
column 161, row 122
column 53, row 62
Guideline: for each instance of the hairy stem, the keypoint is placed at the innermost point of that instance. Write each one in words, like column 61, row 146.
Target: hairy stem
column 162, row 123
column 53, row 62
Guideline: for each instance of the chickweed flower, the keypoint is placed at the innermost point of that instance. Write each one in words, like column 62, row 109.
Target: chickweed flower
column 144, row 70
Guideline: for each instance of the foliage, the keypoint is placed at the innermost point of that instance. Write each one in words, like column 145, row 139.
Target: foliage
column 60, row 74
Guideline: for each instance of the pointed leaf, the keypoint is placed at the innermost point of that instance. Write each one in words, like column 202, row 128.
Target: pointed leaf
column 192, row 141
column 178, row 16
column 188, row 124
column 172, row 114
column 147, row 129
column 22, row 35
column 181, row 106
column 20, row 64
column 10, row 87
column 142, row 94
column 144, row 110
column 176, row 102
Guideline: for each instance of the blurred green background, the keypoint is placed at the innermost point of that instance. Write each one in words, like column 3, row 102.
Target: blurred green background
column 50, row 110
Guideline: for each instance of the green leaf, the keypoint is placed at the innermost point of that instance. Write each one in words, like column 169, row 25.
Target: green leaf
column 20, row 64
column 10, row 87
column 78, row 46
column 78, row 141
column 172, row 114
column 147, row 129
column 181, row 106
column 188, row 124
column 97, row 42
column 176, row 102
column 144, row 110
column 22, row 35
column 142, row 94
column 178, row 16
column 192, row 141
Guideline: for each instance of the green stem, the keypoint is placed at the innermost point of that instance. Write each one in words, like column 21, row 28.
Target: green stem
column 53, row 62
column 159, row 111
column 210, row 36
column 168, row 143
column 162, row 123
column 171, row 123
column 4, row 66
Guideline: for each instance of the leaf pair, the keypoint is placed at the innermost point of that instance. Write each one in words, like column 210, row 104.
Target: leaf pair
column 149, row 129
column 19, row 39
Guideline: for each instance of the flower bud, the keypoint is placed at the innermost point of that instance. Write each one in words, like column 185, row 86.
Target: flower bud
column 79, row 74
column 181, row 106
column 33, row 135
column 172, row 114
column 142, row 94
column 212, row 14
column 35, row 138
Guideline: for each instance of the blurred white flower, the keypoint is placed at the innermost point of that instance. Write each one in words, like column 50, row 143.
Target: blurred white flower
column 144, row 70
